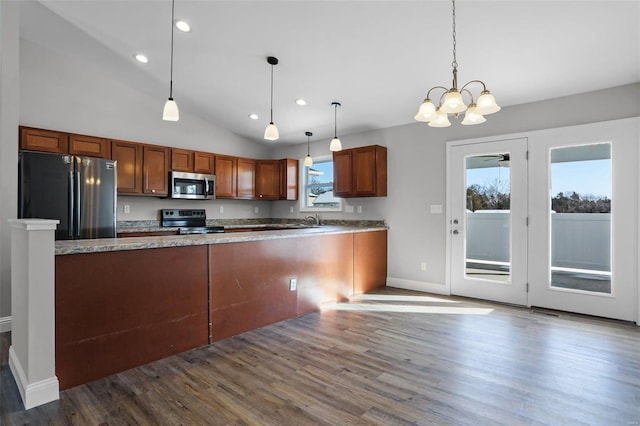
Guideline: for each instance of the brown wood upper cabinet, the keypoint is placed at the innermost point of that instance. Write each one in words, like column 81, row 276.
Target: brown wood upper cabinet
column 226, row 175
column 129, row 158
column 182, row 160
column 203, row 163
column 267, row 179
column 63, row 143
column 288, row 179
column 360, row 172
column 155, row 170
column 246, row 186
column 90, row 146
column 44, row 140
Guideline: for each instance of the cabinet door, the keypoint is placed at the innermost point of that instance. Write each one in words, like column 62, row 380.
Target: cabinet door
column 204, row 163
column 246, row 185
column 129, row 158
column 267, row 179
column 44, row 140
column 181, row 160
column 363, row 161
column 155, row 170
column 226, row 173
column 288, row 179
column 90, row 146
column 342, row 173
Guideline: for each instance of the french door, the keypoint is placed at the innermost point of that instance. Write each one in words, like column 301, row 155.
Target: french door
column 488, row 229
column 583, row 233
column 558, row 230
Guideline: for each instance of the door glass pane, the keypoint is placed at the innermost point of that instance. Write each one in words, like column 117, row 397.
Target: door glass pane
column 488, row 218
column 581, row 218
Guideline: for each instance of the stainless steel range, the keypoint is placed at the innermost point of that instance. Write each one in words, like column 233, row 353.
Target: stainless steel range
column 190, row 221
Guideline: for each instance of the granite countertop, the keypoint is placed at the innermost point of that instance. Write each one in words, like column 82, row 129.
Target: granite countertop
column 138, row 243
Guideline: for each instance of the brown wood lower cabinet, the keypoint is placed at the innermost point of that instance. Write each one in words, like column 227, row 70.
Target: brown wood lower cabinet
column 118, row 310
column 121, row 309
column 250, row 280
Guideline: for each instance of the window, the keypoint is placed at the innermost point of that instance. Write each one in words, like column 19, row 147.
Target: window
column 317, row 187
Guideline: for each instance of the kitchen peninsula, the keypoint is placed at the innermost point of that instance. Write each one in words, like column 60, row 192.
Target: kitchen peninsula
column 125, row 302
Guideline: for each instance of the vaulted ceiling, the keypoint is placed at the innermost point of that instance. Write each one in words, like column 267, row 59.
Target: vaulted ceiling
column 378, row 58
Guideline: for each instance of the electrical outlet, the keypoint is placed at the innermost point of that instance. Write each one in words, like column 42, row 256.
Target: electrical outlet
column 290, row 209
column 256, row 209
column 127, row 208
column 293, row 284
column 221, row 209
column 348, row 209
column 359, row 209
column 423, row 266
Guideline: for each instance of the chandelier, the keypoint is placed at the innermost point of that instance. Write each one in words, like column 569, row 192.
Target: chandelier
column 451, row 101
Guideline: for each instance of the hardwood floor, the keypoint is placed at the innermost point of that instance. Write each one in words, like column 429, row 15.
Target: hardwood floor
column 391, row 357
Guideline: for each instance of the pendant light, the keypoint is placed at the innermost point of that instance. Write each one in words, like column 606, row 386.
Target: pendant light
column 451, row 101
column 335, row 145
column 170, row 112
column 271, row 132
column 308, row 162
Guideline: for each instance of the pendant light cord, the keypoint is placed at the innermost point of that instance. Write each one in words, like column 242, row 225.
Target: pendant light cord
column 173, row 8
column 308, row 146
column 271, row 93
column 335, row 121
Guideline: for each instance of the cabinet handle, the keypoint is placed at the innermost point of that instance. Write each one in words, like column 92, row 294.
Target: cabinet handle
column 153, row 190
column 260, row 195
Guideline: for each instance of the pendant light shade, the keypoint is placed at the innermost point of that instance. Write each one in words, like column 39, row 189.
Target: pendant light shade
column 451, row 100
column 335, row 145
column 308, row 161
column 170, row 111
column 271, row 132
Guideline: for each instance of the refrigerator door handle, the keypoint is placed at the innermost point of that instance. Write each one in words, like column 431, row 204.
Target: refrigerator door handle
column 71, row 205
column 78, row 204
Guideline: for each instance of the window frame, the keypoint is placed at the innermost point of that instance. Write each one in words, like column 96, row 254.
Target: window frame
column 303, row 188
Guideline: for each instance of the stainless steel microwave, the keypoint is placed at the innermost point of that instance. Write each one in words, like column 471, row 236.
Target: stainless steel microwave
column 192, row 186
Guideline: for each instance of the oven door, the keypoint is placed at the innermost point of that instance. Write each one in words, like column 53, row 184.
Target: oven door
column 192, row 186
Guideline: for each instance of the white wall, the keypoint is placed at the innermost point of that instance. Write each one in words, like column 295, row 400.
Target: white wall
column 9, row 99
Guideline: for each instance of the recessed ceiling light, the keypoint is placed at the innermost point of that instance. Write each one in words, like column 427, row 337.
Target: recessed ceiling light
column 141, row 58
column 183, row 26
column 301, row 102
column 253, row 116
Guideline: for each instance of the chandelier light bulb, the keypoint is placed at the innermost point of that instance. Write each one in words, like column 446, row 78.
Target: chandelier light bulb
column 441, row 119
column 471, row 117
column 426, row 111
column 486, row 104
column 271, row 132
column 453, row 102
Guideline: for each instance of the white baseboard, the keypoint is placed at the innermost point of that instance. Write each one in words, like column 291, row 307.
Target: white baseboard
column 33, row 394
column 5, row 324
column 418, row 286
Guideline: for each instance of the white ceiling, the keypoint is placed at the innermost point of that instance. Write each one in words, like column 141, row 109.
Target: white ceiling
column 378, row 58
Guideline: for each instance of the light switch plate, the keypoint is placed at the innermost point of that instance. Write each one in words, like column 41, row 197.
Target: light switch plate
column 436, row 208
column 293, row 284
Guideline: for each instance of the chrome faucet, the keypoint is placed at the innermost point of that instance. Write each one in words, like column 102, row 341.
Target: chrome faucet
column 315, row 218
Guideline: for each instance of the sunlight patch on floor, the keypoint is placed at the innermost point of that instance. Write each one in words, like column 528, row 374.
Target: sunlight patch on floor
column 394, row 298
column 418, row 309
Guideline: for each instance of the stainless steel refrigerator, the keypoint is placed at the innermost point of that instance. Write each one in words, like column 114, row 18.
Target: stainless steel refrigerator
column 80, row 192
